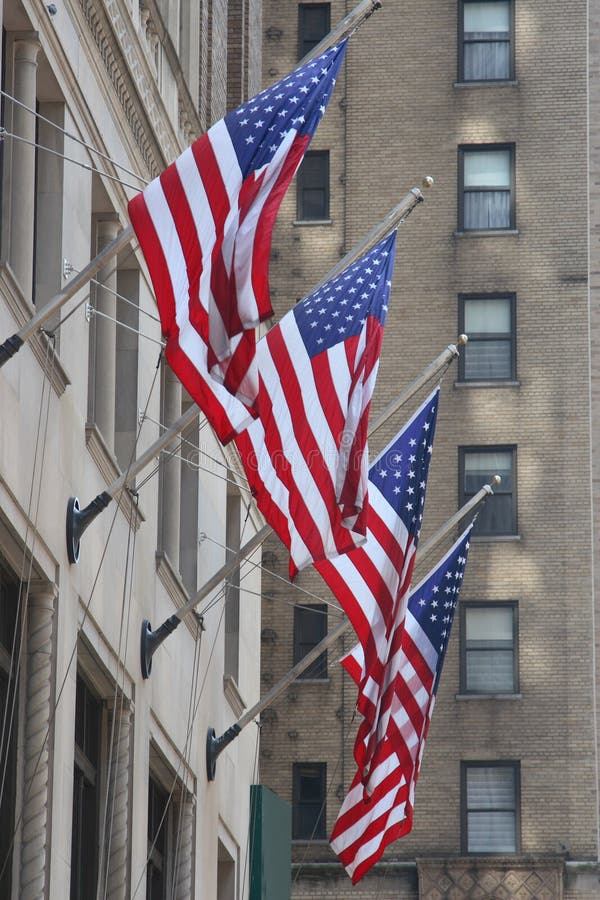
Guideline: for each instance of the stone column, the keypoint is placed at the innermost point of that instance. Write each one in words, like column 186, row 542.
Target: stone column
column 184, row 850
column 171, row 471
column 117, row 826
column 40, row 612
column 22, row 182
column 106, row 303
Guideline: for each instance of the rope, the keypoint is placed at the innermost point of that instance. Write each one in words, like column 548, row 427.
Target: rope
column 72, row 136
column 118, row 696
column 252, row 818
column 89, row 168
column 176, row 778
column 22, row 601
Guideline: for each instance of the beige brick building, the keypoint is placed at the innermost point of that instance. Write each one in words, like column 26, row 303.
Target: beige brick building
column 491, row 99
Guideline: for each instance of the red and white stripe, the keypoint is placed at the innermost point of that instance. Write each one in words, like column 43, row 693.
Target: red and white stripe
column 206, row 233
column 306, row 457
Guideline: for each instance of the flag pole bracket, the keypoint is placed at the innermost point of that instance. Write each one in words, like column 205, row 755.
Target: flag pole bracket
column 8, row 349
column 151, row 640
column 79, row 519
column 215, row 745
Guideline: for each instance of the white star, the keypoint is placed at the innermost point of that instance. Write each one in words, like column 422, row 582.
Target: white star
column 250, row 140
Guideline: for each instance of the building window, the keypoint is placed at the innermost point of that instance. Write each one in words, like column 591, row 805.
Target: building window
column 486, row 187
column 486, row 40
column 310, row 627
column 86, row 793
column 308, row 801
column 9, row 601
column 488, row 648
column 312, row 187
column 232, row 586
column 158, row 832
column 477, row 465
column 314, row 22
column 490, row 807
column 489, row 321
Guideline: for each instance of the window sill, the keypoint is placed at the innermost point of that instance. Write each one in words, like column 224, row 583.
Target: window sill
column 487, row 232
column 488, row 697
column 499, row 83
column 301, row 680
column 310, row 223
column 232, row 695
column 491, row 538
column 487, row 384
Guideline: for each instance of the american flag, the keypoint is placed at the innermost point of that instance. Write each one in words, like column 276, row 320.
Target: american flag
column 205, row 225
column 372, row 582
column 306, row 456
column 374, row 815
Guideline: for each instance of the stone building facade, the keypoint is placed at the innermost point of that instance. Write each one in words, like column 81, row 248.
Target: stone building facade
column 103, row 779
column 491, row 99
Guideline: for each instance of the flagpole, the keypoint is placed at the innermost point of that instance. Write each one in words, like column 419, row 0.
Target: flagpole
column 14, row 343
column 391, row 221
column 151, row 640
column 79, row 519
column 350, row 23
column 215, row 745
column 445, row 358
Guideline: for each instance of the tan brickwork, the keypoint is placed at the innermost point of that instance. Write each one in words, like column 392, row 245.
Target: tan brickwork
column 395, row 116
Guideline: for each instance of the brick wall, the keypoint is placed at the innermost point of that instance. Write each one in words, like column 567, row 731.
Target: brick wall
column 395, row 116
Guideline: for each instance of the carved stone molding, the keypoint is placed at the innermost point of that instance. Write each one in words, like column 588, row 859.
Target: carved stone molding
column 40, row 616
column 491, row 878
column 117, row 826
column 129, row 77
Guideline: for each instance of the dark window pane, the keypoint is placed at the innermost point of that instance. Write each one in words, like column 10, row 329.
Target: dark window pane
column 158, row 825
column 313, row 25
column 491, row 832
column 84, row 835
column 498, row 514
column 491, row 808
column 487, row 209
column 486, row 61
column 487, row 360
column 313, row 187
column 308, row 801
column 490, row 670
column 310, row 627
column 487, row 37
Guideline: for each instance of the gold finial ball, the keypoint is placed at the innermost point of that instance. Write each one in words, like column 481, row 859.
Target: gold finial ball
column 463, row 339
column 428, row 181
column 496, row 479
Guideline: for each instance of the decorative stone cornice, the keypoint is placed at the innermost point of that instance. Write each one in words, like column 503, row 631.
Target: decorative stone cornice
column 130, row 75
column 491, row 878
